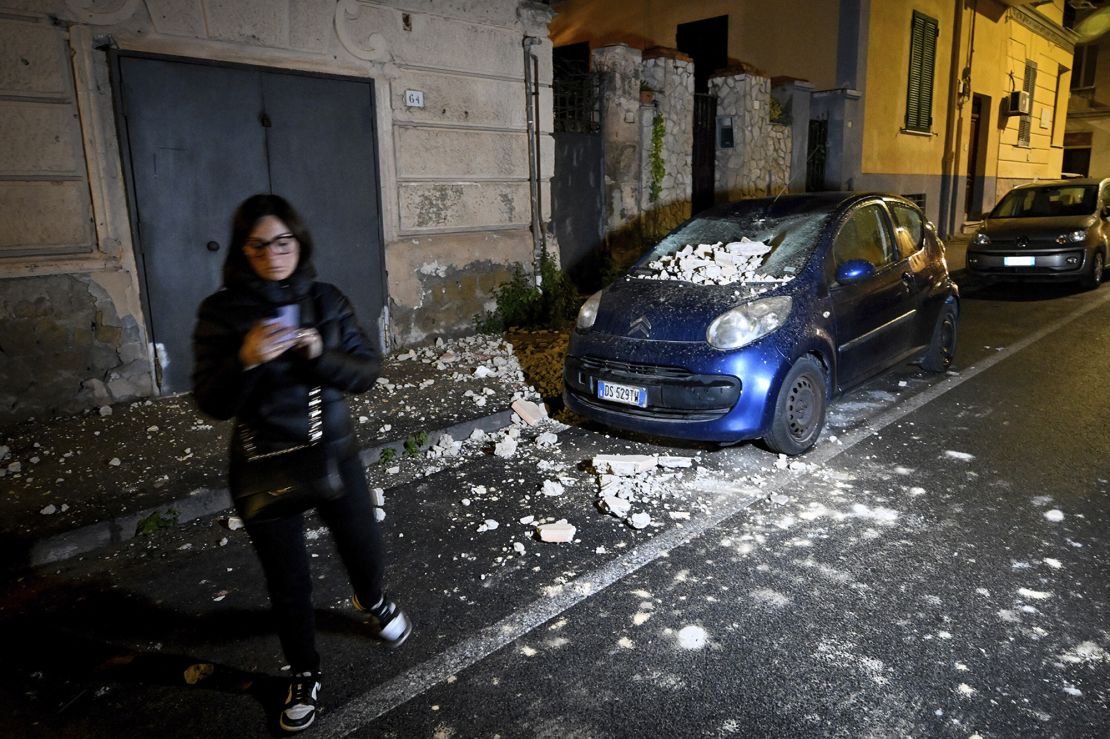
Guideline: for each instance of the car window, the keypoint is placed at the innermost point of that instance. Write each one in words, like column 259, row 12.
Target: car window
column 864, row 236
column 909, row 231
column 1040, row 202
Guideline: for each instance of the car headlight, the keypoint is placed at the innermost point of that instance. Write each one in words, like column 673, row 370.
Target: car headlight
column 744, row 324
column 587, row 314
column 981, row 239
column 1072, row 236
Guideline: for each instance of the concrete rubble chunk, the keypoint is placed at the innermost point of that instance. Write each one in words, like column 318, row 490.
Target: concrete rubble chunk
column 556, row 532
column 49, row 510
column 625, row 464
column 234, row 523
column 377, row 497
column 615, row 505
column 529, row 412
column 527, row 519
column 639, row 520
column 680, row 515
column 105, row 410
column 379, row 514
column 5, row 452
column 488, row 525
column 676, row 462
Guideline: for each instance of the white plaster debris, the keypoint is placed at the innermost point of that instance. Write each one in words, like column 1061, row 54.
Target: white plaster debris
column 530, row 413
column 5, row 452
column 377, row 497
column 679, row 515
column 477, row 435
column 379, row 514
column 105, row 410
column 962, row 456
column 675, row 462
column 445, row 447
column 552, row 488
column 547, row 439
column 49, row 510
column 1053, row 563
column 625, row 464
column 965, row 689
column 714, row 264
column 505, row 448
column 114, row 462
column 558, row 532
column 1055, row 515
column 639, row 520
column 1034, row 594
column 15, row 467
column 488, row 525
column 518, row 547
column 234, row 523
column 692, row 637
column 1087, row 652
column 527, row 519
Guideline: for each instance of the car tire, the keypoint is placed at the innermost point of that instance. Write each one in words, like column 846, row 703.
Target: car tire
column 799, row 409
column 942, row 345
column 1093, row 278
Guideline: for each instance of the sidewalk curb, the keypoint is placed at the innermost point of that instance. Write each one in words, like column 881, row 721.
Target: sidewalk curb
column 208, row 501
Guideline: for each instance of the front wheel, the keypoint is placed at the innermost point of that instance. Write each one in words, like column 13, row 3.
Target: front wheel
column 1093, row 278
column 799, row 409
column 942, row 347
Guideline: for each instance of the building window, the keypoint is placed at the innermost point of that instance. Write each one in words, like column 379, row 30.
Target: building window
column 923, row 56
column 1029, row 84
column 1083, row 68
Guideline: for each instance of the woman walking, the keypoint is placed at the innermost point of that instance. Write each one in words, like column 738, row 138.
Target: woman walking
column 277, row 351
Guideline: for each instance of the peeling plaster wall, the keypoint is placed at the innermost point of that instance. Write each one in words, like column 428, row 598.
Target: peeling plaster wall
column 454, row 173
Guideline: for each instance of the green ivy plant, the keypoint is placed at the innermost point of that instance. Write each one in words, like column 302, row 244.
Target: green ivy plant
column 414, row 442
column 658, row 169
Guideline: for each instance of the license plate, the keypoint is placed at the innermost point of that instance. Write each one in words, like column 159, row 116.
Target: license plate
column 1018, row 261
column 627, row 394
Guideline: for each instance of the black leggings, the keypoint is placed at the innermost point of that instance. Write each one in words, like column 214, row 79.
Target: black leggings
column 281, row 548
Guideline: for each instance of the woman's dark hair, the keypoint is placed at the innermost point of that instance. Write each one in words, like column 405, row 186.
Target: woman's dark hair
column 249, row 213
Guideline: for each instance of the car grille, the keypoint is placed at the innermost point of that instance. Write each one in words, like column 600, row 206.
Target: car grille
column 673, row 393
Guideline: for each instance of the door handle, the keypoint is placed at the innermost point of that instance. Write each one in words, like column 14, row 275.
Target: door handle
column 907, row 279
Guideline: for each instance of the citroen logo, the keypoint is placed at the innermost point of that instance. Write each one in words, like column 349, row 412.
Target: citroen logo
column 641, row 325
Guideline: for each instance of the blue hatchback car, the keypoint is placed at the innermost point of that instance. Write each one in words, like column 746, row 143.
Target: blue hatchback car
column 744, row 321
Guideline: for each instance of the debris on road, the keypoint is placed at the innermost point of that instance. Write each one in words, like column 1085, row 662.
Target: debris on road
column 557, row 532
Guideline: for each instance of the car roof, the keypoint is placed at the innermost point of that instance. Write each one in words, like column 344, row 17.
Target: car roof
column 800, row 202
column 1072, row 182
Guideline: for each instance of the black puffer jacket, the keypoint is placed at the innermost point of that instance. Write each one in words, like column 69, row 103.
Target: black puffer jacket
column 272, row 398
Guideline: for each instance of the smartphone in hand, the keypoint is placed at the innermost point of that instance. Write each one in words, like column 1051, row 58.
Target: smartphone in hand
column 289, row 315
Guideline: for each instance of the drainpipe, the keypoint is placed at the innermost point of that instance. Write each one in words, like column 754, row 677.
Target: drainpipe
column 531, row 85
column 949, row 191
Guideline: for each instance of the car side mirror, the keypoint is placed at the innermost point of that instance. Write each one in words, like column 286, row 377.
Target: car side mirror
column 854, row 270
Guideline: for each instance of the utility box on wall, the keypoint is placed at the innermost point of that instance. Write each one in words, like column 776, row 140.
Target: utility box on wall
column 1020, row 102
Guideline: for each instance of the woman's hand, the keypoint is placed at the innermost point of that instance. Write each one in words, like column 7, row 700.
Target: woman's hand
column 309, row 343
column 267, row 341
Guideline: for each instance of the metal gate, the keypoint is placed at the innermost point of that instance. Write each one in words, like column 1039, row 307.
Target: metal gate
column 577, row 184
column 201, row 137
column 705, row 151
column 816, row 155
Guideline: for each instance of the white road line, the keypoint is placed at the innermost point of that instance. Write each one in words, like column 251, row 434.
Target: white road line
column 399, row 690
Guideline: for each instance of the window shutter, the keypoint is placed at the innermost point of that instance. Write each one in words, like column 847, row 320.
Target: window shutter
column 919, row 88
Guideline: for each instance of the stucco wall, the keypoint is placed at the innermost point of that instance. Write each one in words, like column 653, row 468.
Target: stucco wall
column 456, row 206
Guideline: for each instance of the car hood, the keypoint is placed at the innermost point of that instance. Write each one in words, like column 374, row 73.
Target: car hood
column 1055, row 225
column 668, row 310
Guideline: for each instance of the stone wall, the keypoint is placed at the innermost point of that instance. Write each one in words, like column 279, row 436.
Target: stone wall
column 456, row 205
column 760, row 159
column 668, row 76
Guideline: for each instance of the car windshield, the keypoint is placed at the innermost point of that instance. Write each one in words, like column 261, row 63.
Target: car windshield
column 1058, row 200
column 736, row 247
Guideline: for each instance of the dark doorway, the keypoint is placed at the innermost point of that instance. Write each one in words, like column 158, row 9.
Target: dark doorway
column 706, row 42
column 976, row 156
column 201, row 137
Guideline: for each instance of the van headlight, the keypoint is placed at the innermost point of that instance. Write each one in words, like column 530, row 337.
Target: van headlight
column 746, row 323
column 1072, row 237
column 587, row 314
column 981, row 239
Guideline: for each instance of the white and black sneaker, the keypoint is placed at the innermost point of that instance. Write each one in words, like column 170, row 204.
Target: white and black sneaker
column 299, row 710
column 388, row 623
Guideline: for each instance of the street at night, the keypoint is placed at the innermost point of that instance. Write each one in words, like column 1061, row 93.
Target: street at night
column 937, row 569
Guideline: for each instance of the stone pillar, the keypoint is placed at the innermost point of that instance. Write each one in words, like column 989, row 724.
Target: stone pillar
column 668, row 76
column 618, row 70
column 758, row 163
column 794, row 97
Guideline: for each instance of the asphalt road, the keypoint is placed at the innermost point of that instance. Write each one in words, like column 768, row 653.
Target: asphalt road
column 937, row 566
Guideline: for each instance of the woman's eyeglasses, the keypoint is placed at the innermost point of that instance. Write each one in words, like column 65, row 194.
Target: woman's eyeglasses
column 280, row 244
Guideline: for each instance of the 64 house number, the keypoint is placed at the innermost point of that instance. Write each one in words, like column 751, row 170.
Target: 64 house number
column 414, row 98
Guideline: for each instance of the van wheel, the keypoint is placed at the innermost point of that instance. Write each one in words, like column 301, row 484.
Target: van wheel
column 799, row 409
column 942, row 347
column 1093, row 278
